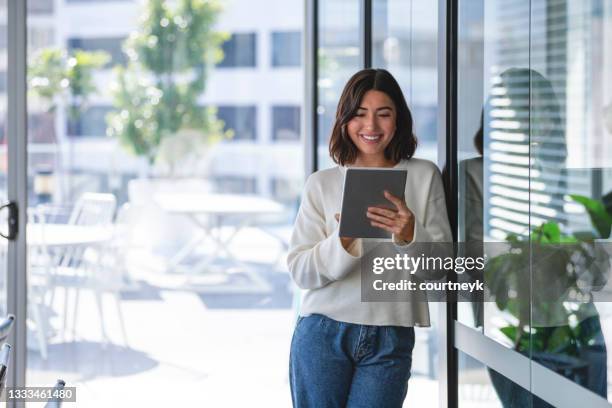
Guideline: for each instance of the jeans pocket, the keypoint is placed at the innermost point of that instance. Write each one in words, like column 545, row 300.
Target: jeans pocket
column 402, row 339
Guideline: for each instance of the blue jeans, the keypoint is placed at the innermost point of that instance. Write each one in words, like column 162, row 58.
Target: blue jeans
column 337, row 364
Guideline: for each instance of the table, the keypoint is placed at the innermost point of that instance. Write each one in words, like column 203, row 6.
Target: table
column 217, row 208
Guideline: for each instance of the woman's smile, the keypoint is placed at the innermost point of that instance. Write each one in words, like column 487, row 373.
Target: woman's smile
column 371, row 137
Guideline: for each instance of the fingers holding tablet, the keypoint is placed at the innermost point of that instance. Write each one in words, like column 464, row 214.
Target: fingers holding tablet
column 398, row 221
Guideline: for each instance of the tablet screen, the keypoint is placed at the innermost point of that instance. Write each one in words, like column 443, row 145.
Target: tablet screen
column 363, row 188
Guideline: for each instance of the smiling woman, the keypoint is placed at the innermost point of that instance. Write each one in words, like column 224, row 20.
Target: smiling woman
column 346, row 352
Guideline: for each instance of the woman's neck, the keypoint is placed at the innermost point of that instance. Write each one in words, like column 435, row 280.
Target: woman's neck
column 373, row 162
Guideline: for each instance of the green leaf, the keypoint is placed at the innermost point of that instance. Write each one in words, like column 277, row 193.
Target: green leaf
column 600, row 218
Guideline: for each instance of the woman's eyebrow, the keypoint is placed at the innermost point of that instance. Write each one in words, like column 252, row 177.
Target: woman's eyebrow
column 379, row 109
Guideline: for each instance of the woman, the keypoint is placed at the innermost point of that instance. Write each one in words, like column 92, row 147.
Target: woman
column 345, row 352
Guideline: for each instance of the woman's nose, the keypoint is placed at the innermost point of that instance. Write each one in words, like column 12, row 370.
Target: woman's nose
column 370, row 123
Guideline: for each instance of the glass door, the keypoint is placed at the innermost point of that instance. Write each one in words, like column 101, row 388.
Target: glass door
column 4, row 213
column 13, row 200
column 164, row 171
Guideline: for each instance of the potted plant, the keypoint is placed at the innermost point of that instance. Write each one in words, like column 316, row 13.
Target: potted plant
column 543, row 284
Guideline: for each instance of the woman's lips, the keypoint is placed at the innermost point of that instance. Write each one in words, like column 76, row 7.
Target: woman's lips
column 370, row 138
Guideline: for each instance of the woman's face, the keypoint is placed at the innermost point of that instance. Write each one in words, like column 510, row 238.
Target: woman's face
column 373, row 126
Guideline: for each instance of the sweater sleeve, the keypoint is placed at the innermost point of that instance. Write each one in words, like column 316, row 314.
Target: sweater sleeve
column 315, row 259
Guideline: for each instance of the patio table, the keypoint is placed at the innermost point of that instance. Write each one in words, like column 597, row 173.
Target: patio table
column 209, row 212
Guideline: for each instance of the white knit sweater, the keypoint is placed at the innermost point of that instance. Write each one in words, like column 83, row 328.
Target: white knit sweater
column 318, row 262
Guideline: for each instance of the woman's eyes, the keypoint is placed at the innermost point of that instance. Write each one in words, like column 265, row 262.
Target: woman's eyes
column 382, row 115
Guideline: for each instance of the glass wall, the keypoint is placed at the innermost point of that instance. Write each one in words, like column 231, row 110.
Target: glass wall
column 165, row 166
column 405, row 42
column 534, row 184
column 339, row 56
column 570, row 173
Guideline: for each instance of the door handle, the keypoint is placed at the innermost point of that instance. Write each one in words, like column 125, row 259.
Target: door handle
column 12, row 220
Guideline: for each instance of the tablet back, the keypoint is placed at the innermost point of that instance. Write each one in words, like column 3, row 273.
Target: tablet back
column 363, row 188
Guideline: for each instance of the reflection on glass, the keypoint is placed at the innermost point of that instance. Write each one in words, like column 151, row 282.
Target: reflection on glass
column 568, row 161
column 537, row 191
column 470, row 140
column 339, row 57
column 475, row 385
column 163, row 180
column 505, row 145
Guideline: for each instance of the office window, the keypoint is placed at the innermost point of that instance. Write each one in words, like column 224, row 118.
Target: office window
column 339, row 57
column 40, row 37
column 286, row 123
column 239, row 51
column 111, row 45
column 241, row 119
column 40, row 7
column 40, row 127
column 286, row 49
column 90, row 123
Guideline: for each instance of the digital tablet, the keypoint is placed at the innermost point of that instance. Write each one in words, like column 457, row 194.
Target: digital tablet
column 363, row 188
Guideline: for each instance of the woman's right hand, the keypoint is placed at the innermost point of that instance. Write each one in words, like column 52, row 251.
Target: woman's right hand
column 346, row 241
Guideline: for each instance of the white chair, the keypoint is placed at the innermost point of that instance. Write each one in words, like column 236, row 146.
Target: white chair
column 40, row 265
column 88, row 267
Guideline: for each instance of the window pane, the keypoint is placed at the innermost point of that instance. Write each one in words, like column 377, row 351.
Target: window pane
column 505, row 128
column 286, row 49
column 339, row 57
column 286, row 122
column 404, row 41
column 40, row 6
column 89, row 123
column 140, row 294
column 239, row 51
column 570, row 97
column 470, row 93
column 111, row 45
column 242, row 120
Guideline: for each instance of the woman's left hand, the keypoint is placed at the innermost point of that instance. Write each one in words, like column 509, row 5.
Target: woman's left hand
column 399, row 221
